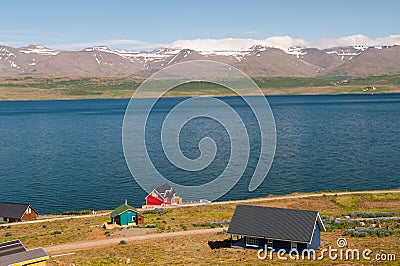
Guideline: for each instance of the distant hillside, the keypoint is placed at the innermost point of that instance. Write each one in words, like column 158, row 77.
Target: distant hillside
column 256, row 61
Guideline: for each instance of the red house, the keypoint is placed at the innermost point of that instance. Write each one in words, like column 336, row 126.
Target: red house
column 162, row 196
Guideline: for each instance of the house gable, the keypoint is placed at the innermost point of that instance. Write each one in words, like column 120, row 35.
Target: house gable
column 15, row 210
column 156, row 194
column 166, row 191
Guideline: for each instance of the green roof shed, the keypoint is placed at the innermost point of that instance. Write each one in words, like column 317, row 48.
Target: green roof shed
column 124, row 215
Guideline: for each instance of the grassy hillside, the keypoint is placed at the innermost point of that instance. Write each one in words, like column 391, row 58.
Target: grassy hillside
column 31, row 88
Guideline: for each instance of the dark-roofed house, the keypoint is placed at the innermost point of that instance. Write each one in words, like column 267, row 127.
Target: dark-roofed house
column 163, row 195
column 278, row 228
column 125, row 215
column 15, row 212
column 14, row 253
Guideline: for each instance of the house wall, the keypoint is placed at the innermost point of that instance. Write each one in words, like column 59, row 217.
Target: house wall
column 29, row 216
column 278, row 244
column 140, row 220
column 35, row 263
column 150, row 200
column 127, row 218
column 176, row 200
column 315, row 242
column 40, row 263
column 11, row 220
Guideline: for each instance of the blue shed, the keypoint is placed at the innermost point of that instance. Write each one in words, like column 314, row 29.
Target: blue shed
column 125, row 215
column 277, row 228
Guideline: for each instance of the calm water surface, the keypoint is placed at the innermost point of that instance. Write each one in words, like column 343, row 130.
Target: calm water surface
column 63, row 155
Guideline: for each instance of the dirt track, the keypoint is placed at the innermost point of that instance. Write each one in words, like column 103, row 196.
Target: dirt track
column 82, row 245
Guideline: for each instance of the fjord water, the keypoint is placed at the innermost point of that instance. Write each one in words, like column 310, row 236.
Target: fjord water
column 67, row 155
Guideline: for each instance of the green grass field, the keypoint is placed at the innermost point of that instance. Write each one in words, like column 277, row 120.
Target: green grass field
column 32, row 88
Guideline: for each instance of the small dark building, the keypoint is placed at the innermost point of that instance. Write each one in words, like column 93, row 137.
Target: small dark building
column 278, row 228
column 15, row 212
column 15, row 253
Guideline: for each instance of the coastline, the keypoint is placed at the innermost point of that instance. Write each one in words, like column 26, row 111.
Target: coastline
column 210, row 95
column 72, row 88
column 296, row 195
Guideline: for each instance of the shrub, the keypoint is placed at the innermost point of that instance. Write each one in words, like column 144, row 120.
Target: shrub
column 221, row 232
column 370, row 231
column 122, row 242
column 372, row 214
column 72, row 212
column 183, row 226
column 212, row 224
column 150, row 226
column 56, row 232
column 160, row 211
column 8, row 234
column 44, row 226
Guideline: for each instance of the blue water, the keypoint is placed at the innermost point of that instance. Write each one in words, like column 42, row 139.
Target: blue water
column 64, row 155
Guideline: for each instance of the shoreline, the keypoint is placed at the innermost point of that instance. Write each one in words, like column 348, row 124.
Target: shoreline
column 216, row 96
column 296, row 195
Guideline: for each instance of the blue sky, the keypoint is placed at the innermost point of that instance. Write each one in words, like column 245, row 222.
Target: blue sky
column 76, row 24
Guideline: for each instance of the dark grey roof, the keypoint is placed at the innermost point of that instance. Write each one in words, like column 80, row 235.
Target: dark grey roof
column 274, row 223
column 23, row 256
column 11, row 247
column 13, row 210
column 165, row 187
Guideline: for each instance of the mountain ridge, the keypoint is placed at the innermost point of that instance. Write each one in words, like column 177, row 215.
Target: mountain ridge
column 256, row 61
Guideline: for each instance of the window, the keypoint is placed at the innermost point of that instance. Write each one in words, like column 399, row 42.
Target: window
column 252, row 241
column 270, row 243
column 293, row 245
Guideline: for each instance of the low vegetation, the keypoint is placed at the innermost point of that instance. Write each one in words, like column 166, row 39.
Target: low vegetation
column 378, row 231
column 31, row 88
column 370, row 231
column 83, row 212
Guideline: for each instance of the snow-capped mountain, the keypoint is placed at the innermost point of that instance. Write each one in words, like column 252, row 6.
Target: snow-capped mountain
column 257, row 60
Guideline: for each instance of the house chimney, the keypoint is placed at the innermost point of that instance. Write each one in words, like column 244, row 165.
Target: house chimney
column 126, row 201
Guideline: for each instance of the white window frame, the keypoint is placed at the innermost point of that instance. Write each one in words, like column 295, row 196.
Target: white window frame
column 252, row 241
column 293, row 245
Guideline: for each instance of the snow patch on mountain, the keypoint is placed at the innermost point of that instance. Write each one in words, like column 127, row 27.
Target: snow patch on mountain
column 38, row 49
column 232, row 44
column 297, row 51
column 157, row 55
column 7, row 56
